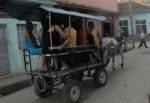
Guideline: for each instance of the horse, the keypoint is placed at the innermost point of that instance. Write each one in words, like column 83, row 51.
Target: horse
column 112, row 47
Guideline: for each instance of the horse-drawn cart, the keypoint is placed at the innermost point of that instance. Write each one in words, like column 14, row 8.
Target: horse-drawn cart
column 45, row 82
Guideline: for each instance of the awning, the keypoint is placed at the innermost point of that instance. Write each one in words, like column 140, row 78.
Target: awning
column 25, row 11
column 34, row 12
column 60, row 11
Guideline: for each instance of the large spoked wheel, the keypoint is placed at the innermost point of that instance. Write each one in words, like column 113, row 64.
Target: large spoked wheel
column 72, row 92
column 100, row 77
column 43, row 86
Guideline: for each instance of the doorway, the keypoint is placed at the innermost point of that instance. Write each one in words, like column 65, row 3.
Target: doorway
column 106, row 29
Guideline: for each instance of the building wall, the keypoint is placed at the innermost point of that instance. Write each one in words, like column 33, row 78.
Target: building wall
column 138, row 1
column 137, row 16
column 146, row 1
column 102, row 4
column 15, row 55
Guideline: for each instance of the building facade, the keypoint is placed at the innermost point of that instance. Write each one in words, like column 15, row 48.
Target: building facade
column 141, row 20
column 136, row 1
column 12, row 32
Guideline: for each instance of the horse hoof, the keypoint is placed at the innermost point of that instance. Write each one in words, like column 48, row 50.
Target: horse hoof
column 122, row 65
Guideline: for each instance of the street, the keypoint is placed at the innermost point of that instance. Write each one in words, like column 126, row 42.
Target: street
column 130, row 84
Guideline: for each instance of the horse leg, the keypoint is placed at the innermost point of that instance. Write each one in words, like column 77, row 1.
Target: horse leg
column 113, row 62
column 121, row 54
column 122, row 62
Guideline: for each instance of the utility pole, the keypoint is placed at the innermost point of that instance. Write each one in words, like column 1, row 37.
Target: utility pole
column 131, row 22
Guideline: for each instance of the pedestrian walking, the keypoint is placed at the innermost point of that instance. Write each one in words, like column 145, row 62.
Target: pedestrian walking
column 142, row 40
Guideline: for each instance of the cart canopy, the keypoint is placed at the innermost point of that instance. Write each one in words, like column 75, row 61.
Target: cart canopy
column 34, row 12
column 60, row 11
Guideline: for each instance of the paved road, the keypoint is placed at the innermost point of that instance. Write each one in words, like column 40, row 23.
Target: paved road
column 130, row 84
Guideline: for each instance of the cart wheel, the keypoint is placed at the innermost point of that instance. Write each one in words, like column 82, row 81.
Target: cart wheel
column 100, row 77
column 72, row 92
column 43, row 86
column 78, row 76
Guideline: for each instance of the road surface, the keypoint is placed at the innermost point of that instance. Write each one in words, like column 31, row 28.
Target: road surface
column 130, row 84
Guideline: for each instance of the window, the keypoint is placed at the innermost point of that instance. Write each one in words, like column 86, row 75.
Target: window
column 124, row 27
column 140, row 26
column 21, row 31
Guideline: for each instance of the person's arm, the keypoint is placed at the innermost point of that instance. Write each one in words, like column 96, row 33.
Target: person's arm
column 60, row 31
column 64, row 44
column 67, row 40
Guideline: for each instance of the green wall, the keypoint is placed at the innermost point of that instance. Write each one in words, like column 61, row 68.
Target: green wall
column 15, row 55
column 137, row 16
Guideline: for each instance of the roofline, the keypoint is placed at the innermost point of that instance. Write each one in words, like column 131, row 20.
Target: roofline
column 87, row 8
column 141, row 8
column 125, row 13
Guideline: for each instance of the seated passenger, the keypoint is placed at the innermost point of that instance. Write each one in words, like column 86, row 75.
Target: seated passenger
column 70, row 39
column 57, row 35
column 54, row 37
column 30, row 40
column 82, row 42
column 82, row 35
column 70, row 42
column 93, row 39
column 31, row 44
column 94, row 33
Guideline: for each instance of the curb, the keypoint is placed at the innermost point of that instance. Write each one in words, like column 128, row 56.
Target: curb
column 10, row 88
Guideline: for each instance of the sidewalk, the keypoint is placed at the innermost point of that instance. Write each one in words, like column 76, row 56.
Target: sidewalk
column 13, row 82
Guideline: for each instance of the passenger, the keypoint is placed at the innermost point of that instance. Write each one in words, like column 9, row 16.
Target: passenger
column 94, row 33
column 82, row 35
column 82, row 42
column 93, row 39
column 57, row 37
column 71, row 43
column 30, row 40
column 31, row 44
column 70, row 37
column 57, row 33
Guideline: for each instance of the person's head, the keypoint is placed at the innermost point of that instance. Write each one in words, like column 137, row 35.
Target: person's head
column 74, row 24
column 91, row 25
column 29, row 26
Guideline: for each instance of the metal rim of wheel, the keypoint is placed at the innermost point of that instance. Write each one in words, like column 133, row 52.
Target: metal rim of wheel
column 75, row 93
column 102, row 77
column 43, row 86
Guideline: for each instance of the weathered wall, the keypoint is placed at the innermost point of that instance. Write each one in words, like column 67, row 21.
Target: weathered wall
column 102, row 4
column 15, row 55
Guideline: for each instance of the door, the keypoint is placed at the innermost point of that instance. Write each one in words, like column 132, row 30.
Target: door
column 106, row 29
column 4, row 58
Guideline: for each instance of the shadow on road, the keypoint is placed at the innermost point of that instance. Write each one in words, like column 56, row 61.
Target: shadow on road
column 88, row 88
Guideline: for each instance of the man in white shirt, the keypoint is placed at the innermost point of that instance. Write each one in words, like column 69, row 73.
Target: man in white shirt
column 142, row 40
